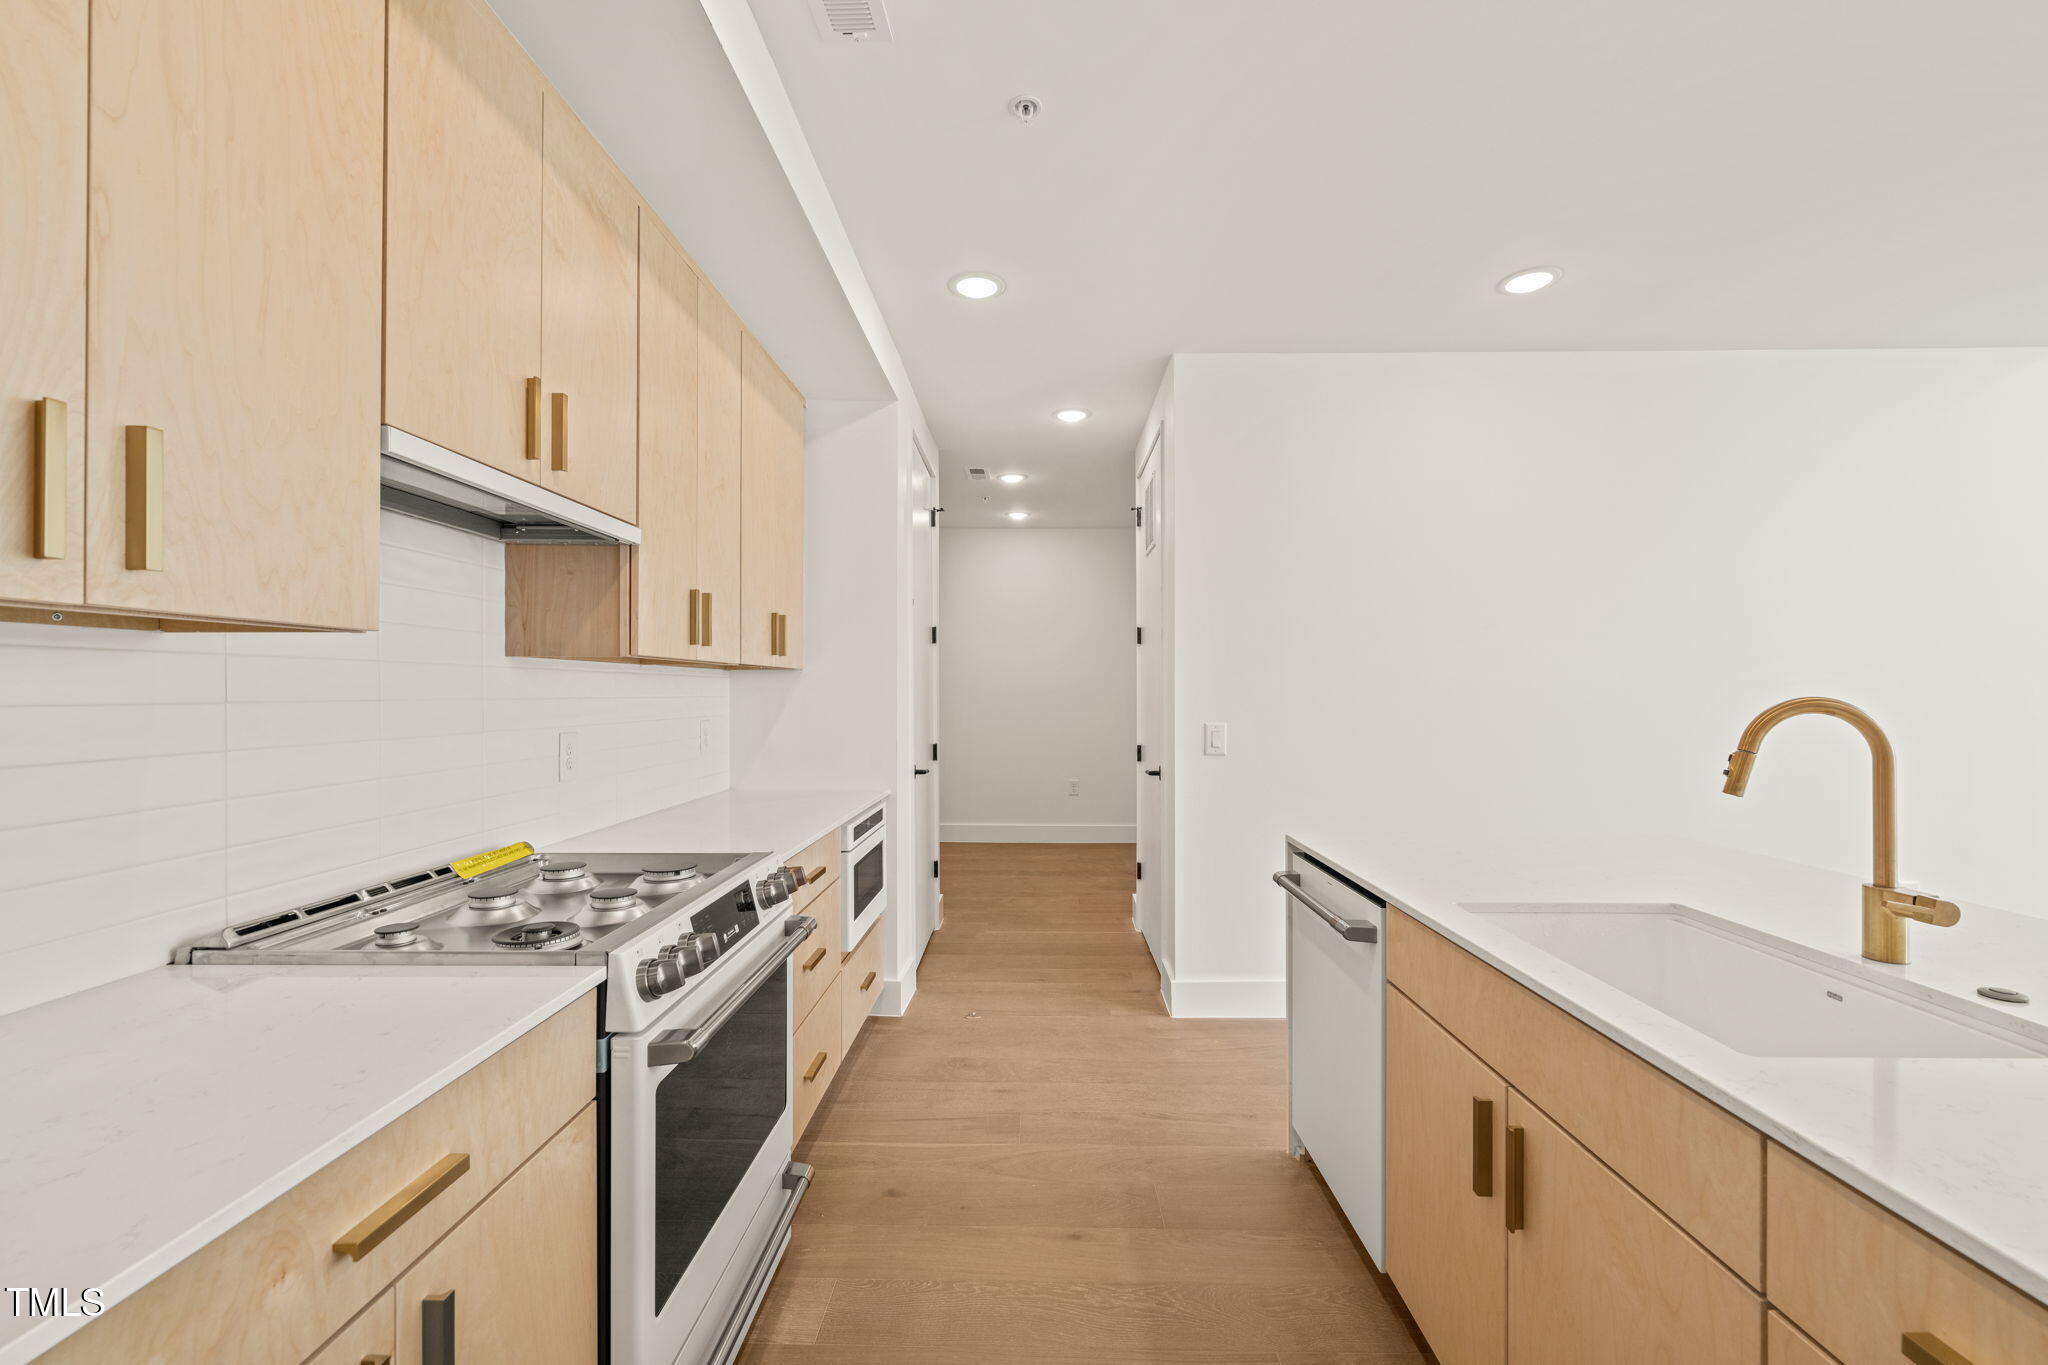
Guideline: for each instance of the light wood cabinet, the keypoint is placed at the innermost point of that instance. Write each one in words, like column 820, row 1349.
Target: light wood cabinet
column 1446, row 1235
column 719, row 339
column 589, row 286
column 371, row 1339
column 860, row 985
column 516, row 1283
column 234, row 286
column 463, row 235
column 42, row 302
column 817, row 962
column 1785, row 1344
column 771, row 514
column 1597, row 1276
column 815, row 1054
column 667, row 597
column 820, row 864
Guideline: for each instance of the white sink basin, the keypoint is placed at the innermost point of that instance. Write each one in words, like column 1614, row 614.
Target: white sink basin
column 1737, row 989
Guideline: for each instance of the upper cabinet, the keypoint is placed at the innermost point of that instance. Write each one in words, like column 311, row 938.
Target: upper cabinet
column 771, row 514
column 463, row 240
column 42, row 302
column 719, row 337
column 234, row 284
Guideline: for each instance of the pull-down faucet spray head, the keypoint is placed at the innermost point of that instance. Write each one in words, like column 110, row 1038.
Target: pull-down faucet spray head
column 1737, row 772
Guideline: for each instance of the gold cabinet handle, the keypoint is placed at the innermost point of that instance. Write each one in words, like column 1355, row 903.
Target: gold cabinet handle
column 53, row 469
column 814, row 876
column 360, row 1240
column 817, row 1065
column 707, row 619
column 533, row 418
column 696, row 607
column 1482, row 1148
column 437, row 1329
column 1925, row 1348
column 816, row 958
column 1516, row 1212
column 145, row 498
column 377, row 1360
column 869, row 982
column 561, row 414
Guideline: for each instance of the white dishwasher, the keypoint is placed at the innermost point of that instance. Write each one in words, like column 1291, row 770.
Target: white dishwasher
column 1336, row 1036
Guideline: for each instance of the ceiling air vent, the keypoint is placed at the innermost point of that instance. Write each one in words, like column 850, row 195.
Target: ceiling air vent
column 977, row 472
column 851, row 21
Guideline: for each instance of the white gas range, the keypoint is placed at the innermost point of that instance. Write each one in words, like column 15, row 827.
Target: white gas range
column 694, row 1081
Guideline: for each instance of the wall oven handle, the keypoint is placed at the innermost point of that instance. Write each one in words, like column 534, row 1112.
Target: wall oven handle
column 1357, row 931
column 678, row 1045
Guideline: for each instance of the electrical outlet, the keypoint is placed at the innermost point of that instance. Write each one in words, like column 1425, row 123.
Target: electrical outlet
column 704, row 735
column 1215, row 737
column 568, row 752
column 1073, row 786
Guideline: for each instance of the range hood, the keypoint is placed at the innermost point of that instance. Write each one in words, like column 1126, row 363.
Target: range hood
column 421, row 479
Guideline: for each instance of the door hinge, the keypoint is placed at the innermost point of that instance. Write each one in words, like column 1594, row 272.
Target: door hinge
column 935, row 634
column 1141, row 753
column 604, row 1055
column 1141, row 872
column 935, row 751
column 935, row 515
column 935, row 867
column 1141, row 635
column 1139, row 513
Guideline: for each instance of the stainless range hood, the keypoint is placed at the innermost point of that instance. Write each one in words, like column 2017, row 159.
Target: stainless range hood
column 434, row 484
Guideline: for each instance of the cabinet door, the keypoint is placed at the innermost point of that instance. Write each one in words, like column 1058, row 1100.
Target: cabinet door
column 1785, row 1344
column 462, row 307
column 665, row 565
column 372, row 1339
column 589, row 331
column 42, row 302
column 718, row 473
column 516, row 1281
column 814, row 1054
column 1446, row 1238
column 234, row 292
column 771, row 513
column 1600, row 1277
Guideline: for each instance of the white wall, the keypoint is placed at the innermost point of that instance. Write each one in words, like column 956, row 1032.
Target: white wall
column 1036, row 635
column 154, row 787
column 1457, row 594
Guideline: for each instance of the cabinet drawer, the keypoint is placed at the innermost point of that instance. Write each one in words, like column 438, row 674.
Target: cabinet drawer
column 814, row 1055
column 820, row 863
column 372, row 1339
column 817, row 963
column 1858, row 1279
column 1785, row 1344
column 1701, row 1165
column 860, row 981
column 273, row 1288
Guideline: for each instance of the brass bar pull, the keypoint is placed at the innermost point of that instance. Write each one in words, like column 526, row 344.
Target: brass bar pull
column 145, row 498
column 437, row 1329
column 696, row 604
column 814, row 876
column 868, row 982
column 1516, row 1212
column 816, row 958
column 561, row 413
column 53, row 469
column 377, row 1360
column 360, row 1240
column 707, row 619
column 1482, row 1148
column 1925, row 1348
column 533, row 418
column 817, row 1065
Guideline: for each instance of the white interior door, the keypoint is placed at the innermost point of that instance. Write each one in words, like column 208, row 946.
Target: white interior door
column 1148, row 909
column 928, row 904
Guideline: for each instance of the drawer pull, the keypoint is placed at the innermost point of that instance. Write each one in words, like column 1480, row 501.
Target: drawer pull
column 360, row 1240
column 707, row 619
column 53, row 470
column 533, row 418
column 817, row 1065
column 437, row 1329
column 1925, row 1348
column 869, row 982
column 1516, row 1213
column 377, row 1360
column 145, row 498
column 561, row 413
column 696, row 614
column 816, row 958
column 1482, row 1148
column 814, row 876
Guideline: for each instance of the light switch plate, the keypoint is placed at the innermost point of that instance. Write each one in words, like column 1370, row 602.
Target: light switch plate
column 1215, row 737
column 568, row 751
column 1073, row 786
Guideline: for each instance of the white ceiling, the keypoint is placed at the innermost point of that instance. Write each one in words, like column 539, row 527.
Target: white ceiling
column 1331, row 175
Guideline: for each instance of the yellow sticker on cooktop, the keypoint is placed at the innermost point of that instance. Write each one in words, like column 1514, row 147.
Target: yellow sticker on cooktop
column 471, row 868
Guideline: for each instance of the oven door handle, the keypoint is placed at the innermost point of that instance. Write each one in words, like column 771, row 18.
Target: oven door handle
column 678, row 1045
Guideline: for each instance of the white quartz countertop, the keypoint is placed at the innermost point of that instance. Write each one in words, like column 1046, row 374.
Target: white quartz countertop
column 144, row 1118
column 783, row 823
column 1956, row 1146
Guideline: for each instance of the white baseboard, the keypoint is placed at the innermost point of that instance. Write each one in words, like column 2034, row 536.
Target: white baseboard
column 895, row 997
column 1039, row 834
column 1222, row 999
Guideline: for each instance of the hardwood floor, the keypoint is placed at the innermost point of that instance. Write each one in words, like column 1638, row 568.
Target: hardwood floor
column 1037, row 1164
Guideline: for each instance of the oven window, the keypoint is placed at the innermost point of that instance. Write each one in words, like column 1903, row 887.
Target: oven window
column 711, row 1117
column 867, row 877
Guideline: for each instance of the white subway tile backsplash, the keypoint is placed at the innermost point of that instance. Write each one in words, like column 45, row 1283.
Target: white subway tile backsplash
column 172, row 784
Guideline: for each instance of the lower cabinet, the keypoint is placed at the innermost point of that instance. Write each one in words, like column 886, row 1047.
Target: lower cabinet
column 860, row 978
column 372, row 1339
column 516, row 1282
column 1785, row 1344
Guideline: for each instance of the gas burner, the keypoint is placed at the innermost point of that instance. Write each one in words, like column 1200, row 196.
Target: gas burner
column 612, row 905
column 491, row 905
column 403, row 936
column 539, row 934
column 663, row 879
column 564, row 877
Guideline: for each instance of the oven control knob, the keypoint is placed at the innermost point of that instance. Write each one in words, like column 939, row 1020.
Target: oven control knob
column 696, row 952
column 658, row 976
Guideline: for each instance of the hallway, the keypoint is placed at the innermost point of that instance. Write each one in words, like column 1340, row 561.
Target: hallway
column 1036, row 1164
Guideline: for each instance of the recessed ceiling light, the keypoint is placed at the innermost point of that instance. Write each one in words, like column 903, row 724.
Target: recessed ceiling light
column 976, row 285
column 1018, row 516
column 1072, row 415
column 1011, row 478
column 1529, row 281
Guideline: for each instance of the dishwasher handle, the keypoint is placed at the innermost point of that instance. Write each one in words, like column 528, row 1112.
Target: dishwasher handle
column 1355, row 931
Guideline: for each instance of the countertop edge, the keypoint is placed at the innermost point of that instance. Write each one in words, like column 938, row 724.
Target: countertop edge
column 117, row 1287
column 2028, row 1280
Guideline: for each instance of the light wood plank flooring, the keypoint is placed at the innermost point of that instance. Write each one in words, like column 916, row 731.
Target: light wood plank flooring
column 1037, row 1164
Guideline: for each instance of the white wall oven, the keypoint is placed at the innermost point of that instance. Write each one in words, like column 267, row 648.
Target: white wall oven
column 864, row 875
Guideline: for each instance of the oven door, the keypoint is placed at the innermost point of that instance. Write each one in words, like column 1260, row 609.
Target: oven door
column 864, row 886
column 700, row 1142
